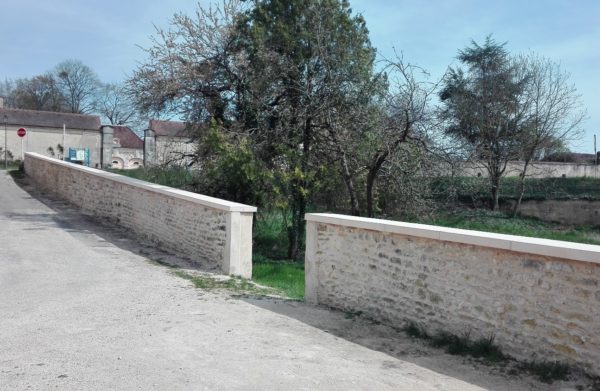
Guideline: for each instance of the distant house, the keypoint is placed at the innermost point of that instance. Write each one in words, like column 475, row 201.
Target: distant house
column 52, row 134
column 168, row 142
column 128, row 148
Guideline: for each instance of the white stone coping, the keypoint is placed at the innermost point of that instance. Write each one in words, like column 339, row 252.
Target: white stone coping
column 523, row 244
column 211, row 202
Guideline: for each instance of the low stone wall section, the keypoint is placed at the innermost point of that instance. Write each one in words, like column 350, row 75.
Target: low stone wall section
column 536, row 170
column 203, row 228
column 539, row 298
column 575, row 212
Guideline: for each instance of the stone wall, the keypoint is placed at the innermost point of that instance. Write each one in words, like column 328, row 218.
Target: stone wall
column 537, row 170
column 539, row 298
column 202, row 228
column 575, row 212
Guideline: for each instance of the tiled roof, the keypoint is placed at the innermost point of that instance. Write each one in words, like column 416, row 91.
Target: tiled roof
column 127, row 138
column 168, row 128
column 48, row 119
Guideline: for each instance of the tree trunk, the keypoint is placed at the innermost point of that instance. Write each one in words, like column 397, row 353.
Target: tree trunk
column 371, row 177
column 293, row 237
column 517, row 206
column 370, row 182
column 300, row 198
column 350, row 186
column 494, row 204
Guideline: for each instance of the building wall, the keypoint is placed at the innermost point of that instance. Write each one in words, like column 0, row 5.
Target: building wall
column 170, row 149
column 39, row 139
column 540, row 299
column 209, row 230
column 127, row 158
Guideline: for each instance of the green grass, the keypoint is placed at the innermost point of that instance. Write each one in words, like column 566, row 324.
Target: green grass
column 234, row 284
column 287, row 277
column 269, row 266
column 500, row 222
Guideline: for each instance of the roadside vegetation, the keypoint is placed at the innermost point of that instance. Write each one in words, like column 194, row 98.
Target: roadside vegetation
column 12, row 164
column 489, row 353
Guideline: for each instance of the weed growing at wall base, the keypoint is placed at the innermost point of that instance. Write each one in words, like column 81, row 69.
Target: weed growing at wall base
column 234, row 284
column 488, row 351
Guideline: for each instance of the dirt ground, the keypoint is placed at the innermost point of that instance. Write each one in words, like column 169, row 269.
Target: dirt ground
column 84, row 307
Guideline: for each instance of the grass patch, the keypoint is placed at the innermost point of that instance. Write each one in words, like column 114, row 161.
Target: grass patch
column 235, row 284
column 287, row 277
column 270, row 246
column 501, row 222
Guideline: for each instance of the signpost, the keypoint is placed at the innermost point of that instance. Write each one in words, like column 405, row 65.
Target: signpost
column 5, row 142
column 21, row 133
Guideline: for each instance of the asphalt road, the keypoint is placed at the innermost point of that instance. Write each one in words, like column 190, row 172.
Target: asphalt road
column 79, row 310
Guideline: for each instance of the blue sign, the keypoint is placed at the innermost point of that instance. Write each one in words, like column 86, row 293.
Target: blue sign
column 79, row 156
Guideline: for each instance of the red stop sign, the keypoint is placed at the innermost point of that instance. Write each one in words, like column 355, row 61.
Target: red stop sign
column 21, row 132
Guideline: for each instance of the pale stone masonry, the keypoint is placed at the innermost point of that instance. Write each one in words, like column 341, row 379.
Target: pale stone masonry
column 540, row 299
column 199, row 227
column 572, row 212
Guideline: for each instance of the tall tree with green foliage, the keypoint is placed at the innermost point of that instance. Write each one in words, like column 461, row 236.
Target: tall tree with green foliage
column 482, row 104
column 307, row 61
column 284, row 74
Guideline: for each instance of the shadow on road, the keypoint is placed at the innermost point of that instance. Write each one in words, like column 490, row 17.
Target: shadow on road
column 96, row 231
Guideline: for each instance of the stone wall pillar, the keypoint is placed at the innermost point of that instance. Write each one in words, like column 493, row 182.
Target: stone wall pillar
column 107, row 146
column 149, row 148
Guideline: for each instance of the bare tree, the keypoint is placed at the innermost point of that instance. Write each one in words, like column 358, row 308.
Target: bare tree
column 6, row 92
column 114, row 104
column 191, row 67
column 554, row 112
column 406, row 119
column 38, row 93
column 78, row 84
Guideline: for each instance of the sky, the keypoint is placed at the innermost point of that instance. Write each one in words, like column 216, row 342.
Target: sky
column 107, row 35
